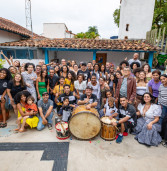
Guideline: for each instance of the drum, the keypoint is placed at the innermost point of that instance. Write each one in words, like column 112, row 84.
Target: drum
column 108, row 131
column 62, row 130
column 7, row 115
column 84, row 124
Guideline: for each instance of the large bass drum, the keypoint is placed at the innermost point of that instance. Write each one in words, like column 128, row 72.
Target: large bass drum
column 84, row 124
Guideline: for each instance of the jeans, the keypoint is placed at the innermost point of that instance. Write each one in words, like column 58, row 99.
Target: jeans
column 52, row 97
column 164, row 113
column 40, row 125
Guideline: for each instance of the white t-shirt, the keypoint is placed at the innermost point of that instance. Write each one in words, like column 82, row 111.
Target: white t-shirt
column 96, row 89
column 80, row 87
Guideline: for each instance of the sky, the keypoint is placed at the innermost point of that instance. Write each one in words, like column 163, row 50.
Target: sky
column 78, row 15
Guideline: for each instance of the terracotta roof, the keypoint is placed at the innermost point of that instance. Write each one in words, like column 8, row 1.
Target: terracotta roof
column 106, row 44
column 15, row 28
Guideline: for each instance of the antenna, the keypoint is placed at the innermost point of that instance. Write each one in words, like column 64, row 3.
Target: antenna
column 28, row 15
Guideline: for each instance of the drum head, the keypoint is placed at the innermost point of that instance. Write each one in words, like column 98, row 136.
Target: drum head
column 84, row 125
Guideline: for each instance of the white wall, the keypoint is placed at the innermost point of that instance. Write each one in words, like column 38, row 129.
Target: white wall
column 114, row 57
column 139, row 15
column 8, row 37
column 54, row 30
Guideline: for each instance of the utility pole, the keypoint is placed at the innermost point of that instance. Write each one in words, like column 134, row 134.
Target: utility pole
column 28, row 15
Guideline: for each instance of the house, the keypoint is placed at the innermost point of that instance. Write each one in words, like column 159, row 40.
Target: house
column 135, row 18
column 35, row 47
column 56, row 30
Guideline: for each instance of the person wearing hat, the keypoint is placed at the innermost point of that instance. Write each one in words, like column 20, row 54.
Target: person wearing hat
column 88, row 99
column 84, row 71
column 45, row 107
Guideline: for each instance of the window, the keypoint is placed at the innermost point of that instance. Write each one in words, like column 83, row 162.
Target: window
column 127, row 27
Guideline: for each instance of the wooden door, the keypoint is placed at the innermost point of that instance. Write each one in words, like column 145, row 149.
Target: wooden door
column 101, row 58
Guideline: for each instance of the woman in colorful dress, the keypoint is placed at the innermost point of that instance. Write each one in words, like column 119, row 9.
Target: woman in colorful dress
column 42, row 84
column 20, row 100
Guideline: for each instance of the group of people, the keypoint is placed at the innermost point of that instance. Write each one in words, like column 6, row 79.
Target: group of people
column 130, row 93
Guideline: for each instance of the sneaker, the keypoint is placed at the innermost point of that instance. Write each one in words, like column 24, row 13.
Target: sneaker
column 49, row 126
column 119, row 139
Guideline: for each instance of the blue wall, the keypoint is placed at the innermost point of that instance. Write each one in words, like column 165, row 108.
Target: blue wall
column 20, row 54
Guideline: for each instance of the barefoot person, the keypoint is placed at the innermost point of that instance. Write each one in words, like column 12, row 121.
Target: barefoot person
column 24, row 117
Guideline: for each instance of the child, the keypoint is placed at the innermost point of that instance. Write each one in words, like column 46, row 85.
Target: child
column 31, row 110
column 31, row 107
column 65, row 110
column 109, row 109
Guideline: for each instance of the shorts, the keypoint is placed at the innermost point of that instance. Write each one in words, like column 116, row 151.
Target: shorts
column 128, row 125
column 4, row 97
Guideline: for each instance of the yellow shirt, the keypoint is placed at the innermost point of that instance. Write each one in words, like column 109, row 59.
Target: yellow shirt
column 58, row 89
column 67, row 81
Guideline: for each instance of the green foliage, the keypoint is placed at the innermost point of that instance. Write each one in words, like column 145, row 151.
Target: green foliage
column 160, row 15
column 93, row 29
column 116, row 16
column 92, row 33
column 1, row 66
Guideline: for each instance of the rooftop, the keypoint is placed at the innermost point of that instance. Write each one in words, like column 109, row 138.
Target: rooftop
column 91, row 44
column 10, row 26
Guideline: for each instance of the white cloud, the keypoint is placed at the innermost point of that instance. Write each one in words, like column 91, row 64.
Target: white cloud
column 76, row 14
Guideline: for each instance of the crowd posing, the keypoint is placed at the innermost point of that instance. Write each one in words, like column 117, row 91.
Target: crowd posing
column 130, row 93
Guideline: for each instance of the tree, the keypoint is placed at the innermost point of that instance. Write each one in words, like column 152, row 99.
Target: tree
column 93, row 29
column 92, row 33
column 116, row 16
column 160, row 15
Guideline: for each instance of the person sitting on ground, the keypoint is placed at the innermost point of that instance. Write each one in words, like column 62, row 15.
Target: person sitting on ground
column 127, row 115
column 23, row 115
column 65, row 110
column 148, row 128
column 110, row 109
column 88, row 99
column 31, row 106
column 45, row 107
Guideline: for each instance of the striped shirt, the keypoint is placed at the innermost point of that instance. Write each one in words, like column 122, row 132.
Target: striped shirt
column 162, row 97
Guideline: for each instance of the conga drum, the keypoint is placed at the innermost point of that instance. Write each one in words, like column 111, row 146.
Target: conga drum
column 84, row 124
column 7, row 115
column 108, row 131
column 62, row 130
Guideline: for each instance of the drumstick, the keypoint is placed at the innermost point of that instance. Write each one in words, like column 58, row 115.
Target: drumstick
column 116, row 128
column 62, row 127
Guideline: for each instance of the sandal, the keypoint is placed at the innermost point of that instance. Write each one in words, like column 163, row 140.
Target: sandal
column 17, row 129
column 24, row 130
column 3, row 125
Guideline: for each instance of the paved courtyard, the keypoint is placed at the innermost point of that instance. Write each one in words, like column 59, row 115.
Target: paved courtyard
column 94, row 155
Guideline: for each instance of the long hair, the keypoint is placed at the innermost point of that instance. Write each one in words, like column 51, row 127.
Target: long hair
column 46, row 77
column 73, row 76
column 152, row 98
column 66, row 67
column 21, row 81
column 149, row 69
column 145, row 79
column 17, row 97
column 8, row 74
column 104, row 68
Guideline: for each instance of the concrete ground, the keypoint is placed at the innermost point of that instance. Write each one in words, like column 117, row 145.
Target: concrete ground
column 94, row 155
